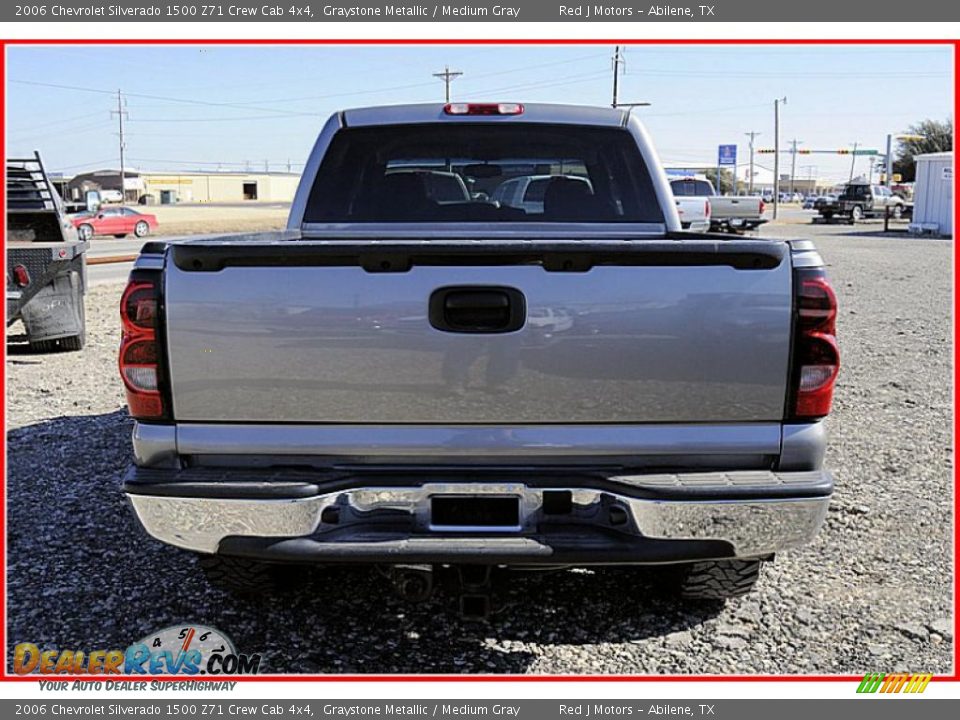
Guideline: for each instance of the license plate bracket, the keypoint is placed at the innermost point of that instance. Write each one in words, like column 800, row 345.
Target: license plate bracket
column 483, row 513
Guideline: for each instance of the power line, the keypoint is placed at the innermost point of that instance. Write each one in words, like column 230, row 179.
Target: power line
column 392, row 88
column 166, row 98
column 570, row 80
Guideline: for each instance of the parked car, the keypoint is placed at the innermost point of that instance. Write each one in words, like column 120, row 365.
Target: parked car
column 111, row 196
column 674, row 417
column 809, row 201
column 527, row 192
column 116, row 221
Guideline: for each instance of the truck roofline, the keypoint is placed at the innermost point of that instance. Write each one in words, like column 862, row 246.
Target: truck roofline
column 532, row 113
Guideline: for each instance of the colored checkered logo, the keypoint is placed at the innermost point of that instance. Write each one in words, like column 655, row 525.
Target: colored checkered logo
column 894, row 683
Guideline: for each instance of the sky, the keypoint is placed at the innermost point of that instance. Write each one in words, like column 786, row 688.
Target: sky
column 230, row 108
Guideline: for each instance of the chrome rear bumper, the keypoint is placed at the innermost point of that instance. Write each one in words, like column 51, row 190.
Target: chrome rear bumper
column 734, row 514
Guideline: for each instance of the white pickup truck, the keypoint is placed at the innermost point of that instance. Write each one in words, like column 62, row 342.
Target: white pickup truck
column 462, row 386
column 732, row 213
column 694, row 213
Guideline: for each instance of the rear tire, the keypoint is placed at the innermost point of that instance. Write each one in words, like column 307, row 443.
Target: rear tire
column 85, row 231
column 716, row 579
column 141, row 229
column 856, row 213
column 248, row 578
column 897, row 212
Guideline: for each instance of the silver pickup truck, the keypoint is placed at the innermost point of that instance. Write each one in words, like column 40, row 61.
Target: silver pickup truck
column 731, row 213
column 457, row 388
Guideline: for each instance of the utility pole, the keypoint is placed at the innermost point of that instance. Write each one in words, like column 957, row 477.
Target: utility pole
column 776, row 154
column 889, row 162
column 447, row 76
column 793, row 162
column 752, row 134
column 266, row 166
column 853, row 160
column 618, row 60
column 120, row 113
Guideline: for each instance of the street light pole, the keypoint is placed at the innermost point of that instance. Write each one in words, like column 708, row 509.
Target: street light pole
column 889, row 180
column 776, row 154
column 793, row 163
column 853, row 160
column 751, row 135
column 618, row 60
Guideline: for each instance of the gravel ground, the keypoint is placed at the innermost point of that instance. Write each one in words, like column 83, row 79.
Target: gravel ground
column 872, row 593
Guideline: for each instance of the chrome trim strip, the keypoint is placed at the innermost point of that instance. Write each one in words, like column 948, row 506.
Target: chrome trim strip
column 752, row 527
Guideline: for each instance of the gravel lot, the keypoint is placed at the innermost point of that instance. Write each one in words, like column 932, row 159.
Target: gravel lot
column 872, row 593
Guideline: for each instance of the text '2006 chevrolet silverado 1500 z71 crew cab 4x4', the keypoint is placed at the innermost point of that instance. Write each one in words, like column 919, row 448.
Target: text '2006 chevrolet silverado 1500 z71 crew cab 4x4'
column 465, row 386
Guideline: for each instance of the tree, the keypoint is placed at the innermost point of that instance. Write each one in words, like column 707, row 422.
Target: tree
column 726, row 180
column 937, row 137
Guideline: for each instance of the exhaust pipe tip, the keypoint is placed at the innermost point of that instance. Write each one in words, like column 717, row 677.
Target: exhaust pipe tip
column 413, row 584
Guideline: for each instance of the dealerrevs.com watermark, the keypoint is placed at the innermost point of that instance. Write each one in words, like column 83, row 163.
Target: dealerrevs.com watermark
column 177, row 650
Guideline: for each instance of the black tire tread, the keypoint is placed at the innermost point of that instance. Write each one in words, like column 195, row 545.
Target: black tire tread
column 74, row 343
column 718, row 579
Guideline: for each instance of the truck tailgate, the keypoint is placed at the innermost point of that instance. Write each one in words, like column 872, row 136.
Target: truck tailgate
column 606, row 332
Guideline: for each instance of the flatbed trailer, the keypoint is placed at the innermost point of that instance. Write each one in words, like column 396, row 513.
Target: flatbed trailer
column 46, row 261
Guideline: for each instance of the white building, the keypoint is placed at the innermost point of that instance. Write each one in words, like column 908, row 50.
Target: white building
column 933, row 195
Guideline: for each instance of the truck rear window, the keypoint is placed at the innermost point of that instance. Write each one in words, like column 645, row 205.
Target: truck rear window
column 483, row 172
column 690, row 188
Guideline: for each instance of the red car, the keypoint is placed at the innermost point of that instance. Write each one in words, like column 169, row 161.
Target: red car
column 116, row 221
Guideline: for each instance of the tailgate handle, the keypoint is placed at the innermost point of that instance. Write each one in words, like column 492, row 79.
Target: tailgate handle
column 470, row 309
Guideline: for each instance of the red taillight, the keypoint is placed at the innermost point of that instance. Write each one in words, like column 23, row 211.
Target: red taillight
column 816, row 357
column 763, row 206
column 483, row 109
column 139, row 352
column 20, row 276
column 706, row 209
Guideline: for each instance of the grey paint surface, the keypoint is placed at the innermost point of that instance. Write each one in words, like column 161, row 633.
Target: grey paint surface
column 613, row 344
column 484, row 442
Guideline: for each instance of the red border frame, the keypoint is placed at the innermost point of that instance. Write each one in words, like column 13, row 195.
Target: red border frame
column 955, row 677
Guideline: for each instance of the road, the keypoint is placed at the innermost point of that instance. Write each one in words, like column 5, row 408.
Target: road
column 109, row 273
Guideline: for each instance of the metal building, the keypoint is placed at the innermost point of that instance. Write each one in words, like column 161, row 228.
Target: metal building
column 168, row 187
column 933, row 195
